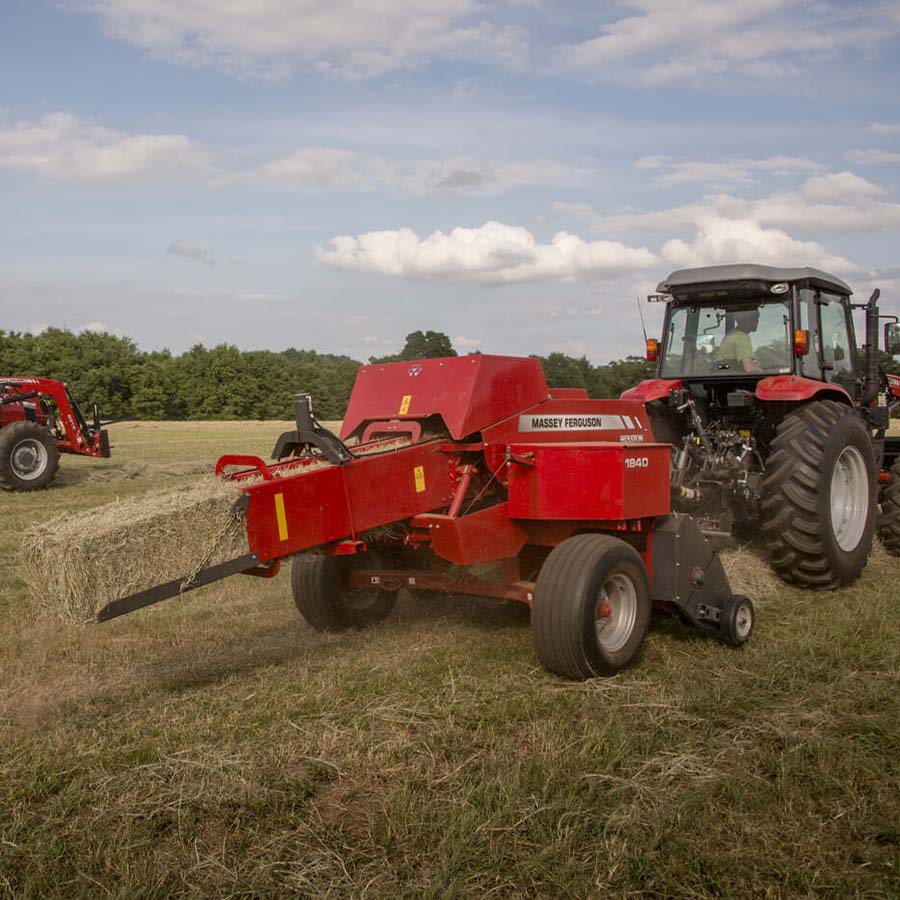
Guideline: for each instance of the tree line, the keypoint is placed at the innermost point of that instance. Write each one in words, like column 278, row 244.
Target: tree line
column 224, row 382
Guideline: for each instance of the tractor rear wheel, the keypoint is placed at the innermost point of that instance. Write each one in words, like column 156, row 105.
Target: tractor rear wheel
column 818, row 506
column 889, row 522
column 29, row 458
column 321, row 598
column 591, row 607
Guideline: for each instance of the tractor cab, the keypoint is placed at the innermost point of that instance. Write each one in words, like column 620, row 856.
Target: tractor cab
column 743, row 323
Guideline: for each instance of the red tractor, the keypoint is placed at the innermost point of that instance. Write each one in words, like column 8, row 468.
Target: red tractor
column 39, row 419
column 777, row 421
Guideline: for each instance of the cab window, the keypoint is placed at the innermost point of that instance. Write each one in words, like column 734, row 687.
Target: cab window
column 834, row 335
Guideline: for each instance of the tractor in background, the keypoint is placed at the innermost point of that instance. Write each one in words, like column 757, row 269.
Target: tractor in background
column 39, row 419
column 777, row 419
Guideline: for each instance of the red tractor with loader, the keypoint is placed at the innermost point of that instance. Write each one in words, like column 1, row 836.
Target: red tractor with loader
column 39, row 419
column 469, row 475
column 777, row 420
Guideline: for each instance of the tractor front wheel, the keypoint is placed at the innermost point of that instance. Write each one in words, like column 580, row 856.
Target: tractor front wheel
column 321, row 597
column 818, row 496
column 29, row 458
column 591, row 607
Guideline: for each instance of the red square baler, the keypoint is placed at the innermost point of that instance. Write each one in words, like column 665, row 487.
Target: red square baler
column 468, row 475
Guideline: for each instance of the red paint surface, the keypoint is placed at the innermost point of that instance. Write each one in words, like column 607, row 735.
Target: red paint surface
column 468, row 392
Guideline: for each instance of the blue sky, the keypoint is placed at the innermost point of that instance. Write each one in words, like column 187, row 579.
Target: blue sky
column 333, row 175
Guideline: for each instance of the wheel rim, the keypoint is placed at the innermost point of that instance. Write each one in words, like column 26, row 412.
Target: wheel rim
column 743, row 621
column 28, row 459
column 849, row 498
column 616, row 612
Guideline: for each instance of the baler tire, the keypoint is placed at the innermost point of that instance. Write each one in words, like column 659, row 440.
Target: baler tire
column 889, row 520
column 797, row 508
column 316, row 585
column 736, row 620
column 576, row 578
column 12, row 440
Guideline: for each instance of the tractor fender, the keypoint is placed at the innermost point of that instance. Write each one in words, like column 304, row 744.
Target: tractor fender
column 652, row 389
column 794, row 388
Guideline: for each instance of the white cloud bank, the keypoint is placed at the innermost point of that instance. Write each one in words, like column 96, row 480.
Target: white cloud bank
column 350, row 38
column 669, row 40
column 330, row 168
column 839, row 202
column 719, row 172
column 492, row 254
column 60, row 147
column 197, row 252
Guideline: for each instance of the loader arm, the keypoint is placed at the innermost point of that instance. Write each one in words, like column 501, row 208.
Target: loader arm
column 75, row 435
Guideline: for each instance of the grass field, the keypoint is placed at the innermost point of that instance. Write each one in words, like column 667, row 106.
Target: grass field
column 216, row 745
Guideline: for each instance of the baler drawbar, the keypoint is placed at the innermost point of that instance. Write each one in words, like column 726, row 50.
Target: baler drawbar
column 468, row 475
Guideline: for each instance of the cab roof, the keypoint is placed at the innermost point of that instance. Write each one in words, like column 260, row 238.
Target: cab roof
column 685, row 281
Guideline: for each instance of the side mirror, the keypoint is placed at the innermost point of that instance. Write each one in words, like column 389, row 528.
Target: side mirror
column 892, row 339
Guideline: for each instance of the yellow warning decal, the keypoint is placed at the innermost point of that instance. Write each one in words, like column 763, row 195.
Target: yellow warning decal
column 419, row 472
column 404, row 404
column 281, row 517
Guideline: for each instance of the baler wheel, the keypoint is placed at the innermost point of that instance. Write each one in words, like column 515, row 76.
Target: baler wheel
column 736, row 620
column 889, row 521
column 591, row 607
column 819, row 504
column 29, row 458
column 319, row 595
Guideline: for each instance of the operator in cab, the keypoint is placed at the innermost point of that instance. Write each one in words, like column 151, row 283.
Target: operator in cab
column 737, row 344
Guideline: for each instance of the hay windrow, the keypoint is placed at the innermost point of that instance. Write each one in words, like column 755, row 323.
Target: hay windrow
column 76, row 563
column 750, row 574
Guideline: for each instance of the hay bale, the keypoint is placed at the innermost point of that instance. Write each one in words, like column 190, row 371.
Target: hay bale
column 76, row 563
column 749, row 573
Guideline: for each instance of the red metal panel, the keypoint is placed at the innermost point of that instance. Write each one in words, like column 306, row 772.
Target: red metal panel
column 569, row 393
column 652, row 389
column 556, row 421
column 794, row 388
column 481, row 536
column 583, row 481
column 314, row 506
column 468, row 392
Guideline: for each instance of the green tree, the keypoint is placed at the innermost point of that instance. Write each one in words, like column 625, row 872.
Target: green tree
column 421, row 345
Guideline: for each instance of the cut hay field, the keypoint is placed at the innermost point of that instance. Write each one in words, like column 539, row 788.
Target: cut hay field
column 217, row 746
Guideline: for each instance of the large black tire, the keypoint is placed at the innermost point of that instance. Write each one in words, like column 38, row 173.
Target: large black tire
column 29, row 458
column 578, row 578
column 316, row 584
column 889, row 521
column 818, row 496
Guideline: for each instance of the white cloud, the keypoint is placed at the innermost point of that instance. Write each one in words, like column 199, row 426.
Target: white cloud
column 884, row 127
column 198, row 252
column 95, row 327
column 460, row 342
column 492, row 254
column 317, row 167
column 873, row 157
column 840, row 187
column 718, row 241
column 840, row 202
column 680, row 39
column 349, row 38
column 329, row 168
column 60, row 147
column 720, row 172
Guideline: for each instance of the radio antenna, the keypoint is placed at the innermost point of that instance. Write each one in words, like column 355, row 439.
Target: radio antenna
column 641, row 314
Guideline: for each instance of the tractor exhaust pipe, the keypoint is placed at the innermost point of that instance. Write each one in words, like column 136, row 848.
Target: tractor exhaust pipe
column 873, row 372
